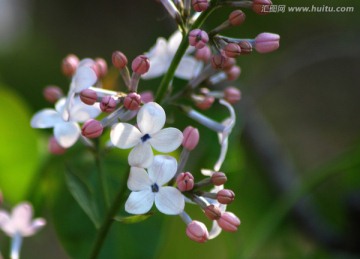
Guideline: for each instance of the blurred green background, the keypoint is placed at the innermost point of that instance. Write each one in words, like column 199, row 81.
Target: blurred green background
column 297, row 133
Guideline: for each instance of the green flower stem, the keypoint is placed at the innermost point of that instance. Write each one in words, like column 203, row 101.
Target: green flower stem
column 164, row 85
column 109, row 219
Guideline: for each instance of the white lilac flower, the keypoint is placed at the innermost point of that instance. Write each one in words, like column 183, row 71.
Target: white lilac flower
column 65, row 121
column 162, row 54
column 147, row 188
column 150, row 133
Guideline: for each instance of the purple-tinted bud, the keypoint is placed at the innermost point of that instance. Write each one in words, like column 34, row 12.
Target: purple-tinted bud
column 147, row 96
column 212, row 212
column 197, row 231
column 233, row 73
column 229, row 222
column 101, row 67
column 140, row 65
column 203, row 54
column 205, row 103
column 218, row 61
column 237, row 17
column 267, row 42
column 185, row 182
column 225, row 196
column 52, row 93
column 200, row 5
column 218, row 178
column 232, row 50
column 107, row 104
column 229, row 63
column 88, row 96
column 1, row 198
column 92, row 129
column 232, row 94
column 261, row 6
column 132, row 101
column 246, row 47
column 198, row 38
column 119, row 60
column 54, row 147
column 191, row 138
column 69, row 65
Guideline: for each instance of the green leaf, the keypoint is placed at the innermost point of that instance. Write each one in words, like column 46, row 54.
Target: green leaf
column 134, row 219
column 83, row 195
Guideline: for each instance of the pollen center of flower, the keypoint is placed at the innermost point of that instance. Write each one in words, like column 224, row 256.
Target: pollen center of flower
column 145, row 137
column 154, row 188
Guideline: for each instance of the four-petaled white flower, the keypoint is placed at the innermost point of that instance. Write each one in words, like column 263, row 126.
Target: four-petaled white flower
column 150, row 121
column 20, row 221
column 162, row 54
column 148, row 188
column 65, row 121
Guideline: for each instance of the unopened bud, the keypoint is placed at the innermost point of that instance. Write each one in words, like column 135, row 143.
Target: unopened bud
column 132, row 101
column 203, row 54
column 218, row 178
column 54, row 147
column 246, row 47
column 225, row 196
column 191, row 138
column 198, row 38
column 229, row 222
column 92, row 129
column 107, row 104
column 261, row 6
column 200, row 5
column 197, row 231
column 147, row 96
column 185, row 182
column 229, row 63
column 236, row 17
column 232, row 94
column 218, row 61
column 233, row 73
column 101, row 67
column 205, row 103
column 88, row 96
column 69, row 65
column 212, row 212
column 232, row 50
column 140, row 65
column 267, row 42
column 52, row 94
column 119, row 60
column 1, row 199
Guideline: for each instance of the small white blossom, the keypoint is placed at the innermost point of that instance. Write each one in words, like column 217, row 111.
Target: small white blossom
column 162, row 54
column 150, row 133
column 148, row 188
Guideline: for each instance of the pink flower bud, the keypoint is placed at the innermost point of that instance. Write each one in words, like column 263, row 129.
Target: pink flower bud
column 218, row 178
column 225, row 196
column 203, row 54
column 236, row 17
column 54, row 147
column 261, row 6
column 52, row 93
column 88, row 96
column 229, row 222
column 212, row 212
column 198, row 38
column 229, row 63
column 197, row 231
column 147, row 96
column 233, row 73
column 267, row 42
column 200, row 5
column 191, row 138
column 232, row 94
column 69, row 65
column 132, row 101
column 1, row 198
column 140, row 65
column 232, row 50
column 92, row 129
column 101, row 67
column 185, row 182
column 205, row 103
column 218, row 61
column 108, row 104
column 246, row 47
column 119, row 60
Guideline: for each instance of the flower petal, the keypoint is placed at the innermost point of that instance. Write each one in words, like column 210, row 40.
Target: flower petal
column 66, row 133
column 169, row 200
column 34, row 227
column 162, row 169
column 46, row 118
column 151, row 118
column 158, row 67
column 174, row 42
column 4, row 218
column 84, row 78
column 188, row 68
column 140, row 202
column 81, row 112
column 141, row 155
column 21, row 216
column 138, row 179
column 166, row 140
column 125, row 135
